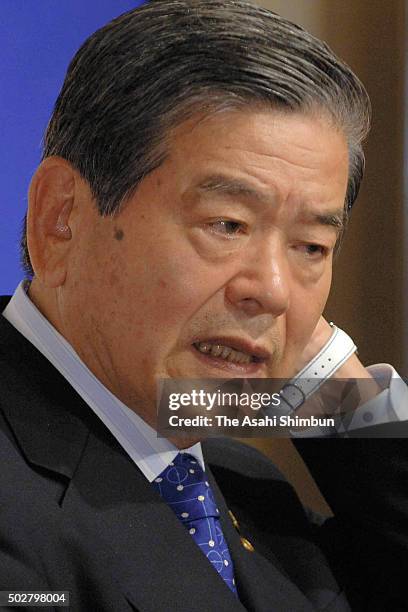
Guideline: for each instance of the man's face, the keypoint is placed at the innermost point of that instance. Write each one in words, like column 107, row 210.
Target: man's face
column 219, row 265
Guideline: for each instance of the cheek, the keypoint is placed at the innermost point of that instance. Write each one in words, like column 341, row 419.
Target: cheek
column 177, row 274
column 158, row 298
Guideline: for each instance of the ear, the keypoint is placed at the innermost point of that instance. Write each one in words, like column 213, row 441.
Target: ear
column 50, row 207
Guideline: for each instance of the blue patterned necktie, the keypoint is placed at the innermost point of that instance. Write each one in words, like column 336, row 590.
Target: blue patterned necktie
column 184, row 487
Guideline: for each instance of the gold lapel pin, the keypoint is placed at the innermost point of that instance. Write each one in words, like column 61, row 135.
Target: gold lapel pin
column 245, row 543
column 234, row 520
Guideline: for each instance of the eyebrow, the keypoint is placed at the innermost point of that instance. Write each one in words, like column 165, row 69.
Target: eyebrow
column 219, row 183
column 333, row 219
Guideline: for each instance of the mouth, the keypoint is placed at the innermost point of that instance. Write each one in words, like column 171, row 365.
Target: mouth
column 232, row 354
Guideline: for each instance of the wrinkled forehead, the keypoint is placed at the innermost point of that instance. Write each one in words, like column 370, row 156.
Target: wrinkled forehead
column 225, row 151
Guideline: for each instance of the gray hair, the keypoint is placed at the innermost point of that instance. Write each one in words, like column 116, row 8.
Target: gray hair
column 152, row 68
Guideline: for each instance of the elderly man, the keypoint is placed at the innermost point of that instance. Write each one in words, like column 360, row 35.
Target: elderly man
column 198, row 172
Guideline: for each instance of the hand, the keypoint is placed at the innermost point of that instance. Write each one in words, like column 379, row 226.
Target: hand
column 318, row 339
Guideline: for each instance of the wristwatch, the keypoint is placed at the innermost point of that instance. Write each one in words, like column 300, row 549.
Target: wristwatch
column 335, row 352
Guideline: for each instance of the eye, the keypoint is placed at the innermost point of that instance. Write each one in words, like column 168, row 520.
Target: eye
column 314, row 251
column 226, row 227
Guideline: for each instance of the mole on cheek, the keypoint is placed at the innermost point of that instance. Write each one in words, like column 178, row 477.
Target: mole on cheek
column 118, row 234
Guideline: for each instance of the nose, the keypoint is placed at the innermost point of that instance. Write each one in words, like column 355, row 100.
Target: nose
column 262, row 284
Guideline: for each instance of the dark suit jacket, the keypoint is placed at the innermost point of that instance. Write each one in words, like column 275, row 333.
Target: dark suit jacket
column 77, row 515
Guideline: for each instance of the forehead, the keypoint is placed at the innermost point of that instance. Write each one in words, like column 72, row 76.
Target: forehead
column 273, row 154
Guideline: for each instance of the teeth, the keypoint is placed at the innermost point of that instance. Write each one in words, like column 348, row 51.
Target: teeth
column 216, row 350
column 224, row 352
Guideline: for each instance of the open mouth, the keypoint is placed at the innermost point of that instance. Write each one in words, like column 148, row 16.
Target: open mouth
column 224, row 352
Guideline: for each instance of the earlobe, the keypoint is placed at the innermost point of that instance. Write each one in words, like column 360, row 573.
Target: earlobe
column 49, row 232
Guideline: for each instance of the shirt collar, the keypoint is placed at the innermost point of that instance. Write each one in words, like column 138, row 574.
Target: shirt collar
column 150, row 453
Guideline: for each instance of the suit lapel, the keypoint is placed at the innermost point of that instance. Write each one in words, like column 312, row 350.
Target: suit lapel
column 262, row 585
column 155, row 560
column 49, row 419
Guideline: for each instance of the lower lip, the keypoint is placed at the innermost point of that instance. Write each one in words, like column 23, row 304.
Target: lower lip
column 240, row 369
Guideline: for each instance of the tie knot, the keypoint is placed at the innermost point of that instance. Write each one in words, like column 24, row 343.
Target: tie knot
column 183, row 485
